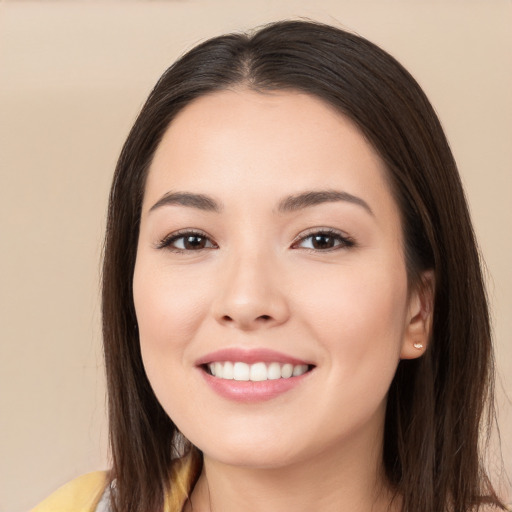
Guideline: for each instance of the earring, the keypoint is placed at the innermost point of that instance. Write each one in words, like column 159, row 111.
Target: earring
column 418, row 346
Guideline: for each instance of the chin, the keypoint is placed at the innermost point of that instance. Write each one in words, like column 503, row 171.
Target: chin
column 251, row 460
column 252, row 453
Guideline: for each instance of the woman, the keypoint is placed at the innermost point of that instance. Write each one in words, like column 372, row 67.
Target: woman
column 293, row 308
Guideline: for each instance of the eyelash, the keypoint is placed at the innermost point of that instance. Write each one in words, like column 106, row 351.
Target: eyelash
column 344, row 241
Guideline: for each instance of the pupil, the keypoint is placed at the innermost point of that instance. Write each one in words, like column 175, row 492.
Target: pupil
column 194, row 242
column 322, row 242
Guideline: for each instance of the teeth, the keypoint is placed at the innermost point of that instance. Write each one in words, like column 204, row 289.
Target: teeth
column 241, row 371
column 287, row 371
column 299, row 370
column 218, row 370
column 274, row 371
column 256, row 372
column 228, row 370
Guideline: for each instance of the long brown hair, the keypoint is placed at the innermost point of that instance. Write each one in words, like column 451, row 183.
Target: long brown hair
column 438, row 403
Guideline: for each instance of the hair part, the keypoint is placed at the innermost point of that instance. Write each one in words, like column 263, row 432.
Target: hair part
column 436, row 403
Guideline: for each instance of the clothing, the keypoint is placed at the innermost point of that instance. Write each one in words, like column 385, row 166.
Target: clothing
column 80, row 495
column 91, row 492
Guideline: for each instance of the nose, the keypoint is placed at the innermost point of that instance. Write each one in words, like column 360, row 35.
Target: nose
column 250, row 295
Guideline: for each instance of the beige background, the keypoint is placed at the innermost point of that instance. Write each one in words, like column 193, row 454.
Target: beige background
column 73, row 75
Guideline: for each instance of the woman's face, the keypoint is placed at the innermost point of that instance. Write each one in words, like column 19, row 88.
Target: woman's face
column 270, row 244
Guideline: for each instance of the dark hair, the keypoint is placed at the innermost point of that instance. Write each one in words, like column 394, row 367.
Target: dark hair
column 437, row 403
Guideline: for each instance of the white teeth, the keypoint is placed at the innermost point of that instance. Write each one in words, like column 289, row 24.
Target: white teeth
column 274, row 371
column 241, row 371
column 256, row 372
column 299, row 369
column 227, row 371
column 218, row 370
column 287, row 371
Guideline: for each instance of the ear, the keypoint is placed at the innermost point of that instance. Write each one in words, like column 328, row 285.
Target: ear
column 419, row 317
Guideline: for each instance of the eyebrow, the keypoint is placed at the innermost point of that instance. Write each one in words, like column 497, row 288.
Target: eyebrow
column 199, row 201
column 287, row 205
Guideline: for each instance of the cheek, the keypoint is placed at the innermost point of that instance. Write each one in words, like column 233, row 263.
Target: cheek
column 358, row 320
column 168, row 305
column 358, row 314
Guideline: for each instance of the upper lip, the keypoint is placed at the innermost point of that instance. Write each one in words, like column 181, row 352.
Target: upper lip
column 249, row 356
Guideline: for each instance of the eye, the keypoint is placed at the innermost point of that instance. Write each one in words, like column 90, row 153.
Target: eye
column 186, row 241
column 320, row 240
column 323, row 240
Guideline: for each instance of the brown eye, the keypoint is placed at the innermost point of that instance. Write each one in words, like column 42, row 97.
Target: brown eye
column 193, row 242
column 187, row 241
column 324, row 241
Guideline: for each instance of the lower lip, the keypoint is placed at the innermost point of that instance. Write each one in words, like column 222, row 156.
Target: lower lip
column 248, row 391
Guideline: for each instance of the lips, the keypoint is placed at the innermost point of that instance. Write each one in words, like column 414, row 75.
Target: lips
column 250, row 356
column 252, row 375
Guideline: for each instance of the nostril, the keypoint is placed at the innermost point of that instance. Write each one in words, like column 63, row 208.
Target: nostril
column 264, row 317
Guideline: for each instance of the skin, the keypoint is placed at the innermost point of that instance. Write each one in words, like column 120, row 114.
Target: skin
column 259, row 282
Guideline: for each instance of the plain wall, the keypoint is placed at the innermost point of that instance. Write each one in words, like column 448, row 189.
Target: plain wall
column 73, row 76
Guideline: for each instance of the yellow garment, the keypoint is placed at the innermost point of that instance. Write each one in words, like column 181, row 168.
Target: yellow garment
column 79, row 495
column 84, row 493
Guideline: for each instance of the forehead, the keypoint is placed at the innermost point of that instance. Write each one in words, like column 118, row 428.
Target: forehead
column 244, row 145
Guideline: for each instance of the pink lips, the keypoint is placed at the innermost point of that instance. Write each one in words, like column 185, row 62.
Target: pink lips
column 250, row 356
column 248, row 391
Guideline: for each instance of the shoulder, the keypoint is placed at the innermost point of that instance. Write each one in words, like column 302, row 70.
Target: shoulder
column 79, row 495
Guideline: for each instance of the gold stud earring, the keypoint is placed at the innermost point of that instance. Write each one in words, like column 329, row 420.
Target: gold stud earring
column 418, row 346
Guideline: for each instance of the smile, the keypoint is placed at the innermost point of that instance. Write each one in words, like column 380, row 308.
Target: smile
column 253, row 375
column 256, row 372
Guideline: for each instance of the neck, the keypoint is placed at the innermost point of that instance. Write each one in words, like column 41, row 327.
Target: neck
column 348, row 479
